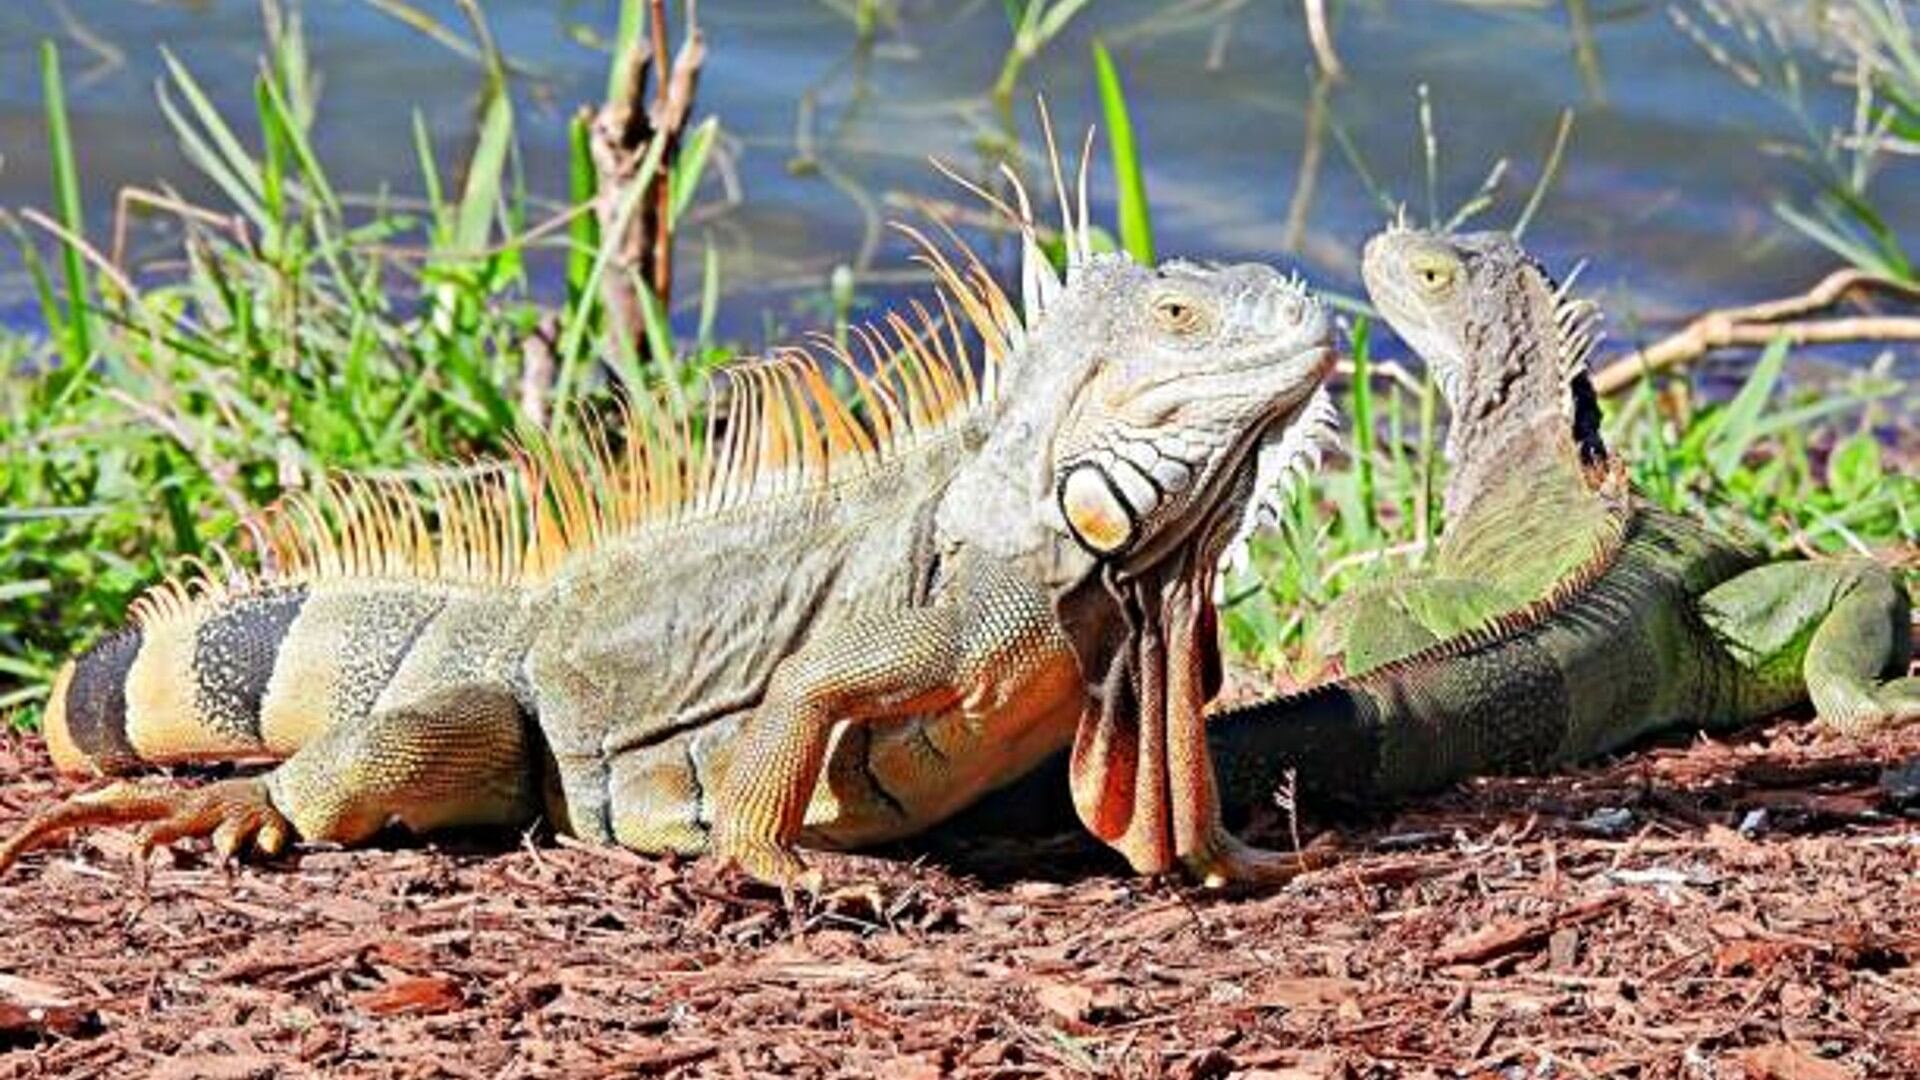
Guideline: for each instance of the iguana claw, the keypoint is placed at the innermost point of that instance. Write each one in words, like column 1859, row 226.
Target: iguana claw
column 771, row 864
column 230, row 812
column 1228, row 861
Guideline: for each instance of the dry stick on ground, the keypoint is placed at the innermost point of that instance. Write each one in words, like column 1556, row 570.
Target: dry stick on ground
column 1759, row 324
column 620, row 134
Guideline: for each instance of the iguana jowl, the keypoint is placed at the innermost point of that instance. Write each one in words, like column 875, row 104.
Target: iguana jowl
column 813, row 626
column 1562, row 616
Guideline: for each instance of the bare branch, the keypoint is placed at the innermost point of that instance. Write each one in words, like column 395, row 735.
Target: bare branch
column 1758, row 324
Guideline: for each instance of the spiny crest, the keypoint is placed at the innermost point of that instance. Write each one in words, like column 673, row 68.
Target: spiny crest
column 1569, row 592
column 1576, row 324
column 775, row 426
column 1040, row 285
column 1280, row 464
column 1576, row 319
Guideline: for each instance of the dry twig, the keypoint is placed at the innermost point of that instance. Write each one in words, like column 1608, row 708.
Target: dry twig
column 1758, row 324
column 621, row 132
column 1322, row 38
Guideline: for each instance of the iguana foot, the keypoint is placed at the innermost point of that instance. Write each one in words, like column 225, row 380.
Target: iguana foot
column 232, row 813
column 771, row 864
column 1229, row 861
column 1890, row 705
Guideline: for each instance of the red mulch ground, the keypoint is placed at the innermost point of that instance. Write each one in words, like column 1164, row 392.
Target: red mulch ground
column 1613, row 922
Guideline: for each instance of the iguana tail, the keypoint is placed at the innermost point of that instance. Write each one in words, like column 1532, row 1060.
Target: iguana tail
column 1405, row 729
column 1611, row 655
column 259, row 672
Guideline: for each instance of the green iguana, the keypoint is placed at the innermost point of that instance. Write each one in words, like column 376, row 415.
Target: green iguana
column 815, row 624
column 1562, row 616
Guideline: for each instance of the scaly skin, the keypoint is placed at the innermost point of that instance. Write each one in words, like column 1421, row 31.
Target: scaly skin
column 1562, row 616
column 807, row 630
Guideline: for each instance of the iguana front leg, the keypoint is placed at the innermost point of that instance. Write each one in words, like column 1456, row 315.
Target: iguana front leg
column 1842, row 626
column 455, row 757
column 977, row 655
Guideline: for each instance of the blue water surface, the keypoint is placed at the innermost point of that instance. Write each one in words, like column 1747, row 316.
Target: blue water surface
column 1665, row 190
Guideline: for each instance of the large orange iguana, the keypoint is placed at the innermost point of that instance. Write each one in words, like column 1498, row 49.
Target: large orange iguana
column 806, row 624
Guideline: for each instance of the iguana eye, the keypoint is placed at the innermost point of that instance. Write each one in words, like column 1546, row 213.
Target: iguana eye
column 1178, row 315
column 1434, row 273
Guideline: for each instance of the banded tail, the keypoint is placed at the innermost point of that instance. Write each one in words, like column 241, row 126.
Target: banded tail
column 188, row 687
column 259, row 673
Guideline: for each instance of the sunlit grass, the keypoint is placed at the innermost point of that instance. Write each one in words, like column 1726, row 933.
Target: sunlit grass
column 293, row 334
column 286, row 335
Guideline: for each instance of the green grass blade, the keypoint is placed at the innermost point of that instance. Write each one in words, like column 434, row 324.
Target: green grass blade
column 1360, row 406
column 625, row 35
column 685, row 178
column 77, row 344
column 1136, row 221
column 311, row 173
column 583, row 184
column 1833, row 240
column 273, row 160
column 709, row 295
column 43, row 289
column 233, row 154
column 660, row 343
column 1056, row 18
column 204, row 157
column 1740, row 423
column 429, row 174
column 481, row 195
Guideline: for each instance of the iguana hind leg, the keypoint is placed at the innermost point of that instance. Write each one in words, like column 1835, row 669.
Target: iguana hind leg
column 456, row 757
column 1841, row 625
column 459, row 756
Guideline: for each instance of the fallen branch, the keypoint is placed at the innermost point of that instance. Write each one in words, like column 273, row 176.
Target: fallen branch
column 1759, row 324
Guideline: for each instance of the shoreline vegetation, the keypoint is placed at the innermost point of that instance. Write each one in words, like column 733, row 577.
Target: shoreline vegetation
column 293, row 328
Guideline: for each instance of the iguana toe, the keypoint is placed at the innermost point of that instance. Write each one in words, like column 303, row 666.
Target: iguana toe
column 771, row 864
column 1228, row 861
column 240, row 818
column 230, row 813
column 1894, row 704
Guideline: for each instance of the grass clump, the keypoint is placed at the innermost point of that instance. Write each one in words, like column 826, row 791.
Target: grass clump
column 294, row 330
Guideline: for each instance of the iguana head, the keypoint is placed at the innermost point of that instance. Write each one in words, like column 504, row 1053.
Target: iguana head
column 1141, row 414
column 1143, row 418
column 1507, row 345
column 1201, row 386
column 1190, row 372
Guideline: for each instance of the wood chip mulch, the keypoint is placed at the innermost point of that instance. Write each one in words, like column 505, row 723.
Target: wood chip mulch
column 1740, row 909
